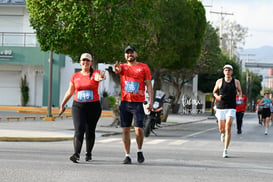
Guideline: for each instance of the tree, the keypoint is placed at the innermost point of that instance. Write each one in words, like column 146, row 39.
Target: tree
column 251, row 86
column 176, row 41
column 100, row 27
column 211, row 56
column 212, row 61
column 179, row 39
column 210, row 64
column 234, row 34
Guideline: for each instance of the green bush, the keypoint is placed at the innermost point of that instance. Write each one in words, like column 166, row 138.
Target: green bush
column 24, row 91
column 112, row 101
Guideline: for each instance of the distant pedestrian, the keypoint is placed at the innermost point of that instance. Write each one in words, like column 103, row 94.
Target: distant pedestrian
column 240, row 111
column 134, row 76
column 226, row 108
column 265, row 102
column 86, row 108
column 259, row 109
column 271, row 110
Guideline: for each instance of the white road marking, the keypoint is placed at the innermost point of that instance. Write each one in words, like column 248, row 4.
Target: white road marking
column 178, row 142
column 198, row 133
column 156, row 141
column 108, row 140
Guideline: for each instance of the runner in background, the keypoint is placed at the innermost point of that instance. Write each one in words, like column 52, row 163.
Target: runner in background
column 259, row 109
column 265, row 102
column 241, row 104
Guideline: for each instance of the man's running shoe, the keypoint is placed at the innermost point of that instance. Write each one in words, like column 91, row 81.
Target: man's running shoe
column 140, row 157
column 127, row 160
column 88, row 157
column 75, row 158
column 225, row 154
column 223, row 137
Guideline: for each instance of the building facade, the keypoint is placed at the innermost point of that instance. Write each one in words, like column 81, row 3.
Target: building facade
column 20, row 56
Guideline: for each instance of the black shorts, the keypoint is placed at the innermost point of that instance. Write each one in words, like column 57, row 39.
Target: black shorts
column 266, row 113
column 130, row 110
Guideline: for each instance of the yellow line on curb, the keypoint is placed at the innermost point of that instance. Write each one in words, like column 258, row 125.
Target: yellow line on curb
column 32, row 139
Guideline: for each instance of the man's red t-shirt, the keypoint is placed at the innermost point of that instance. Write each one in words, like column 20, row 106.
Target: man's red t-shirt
column 132, row 81
column 241, row 104
column 86, row 89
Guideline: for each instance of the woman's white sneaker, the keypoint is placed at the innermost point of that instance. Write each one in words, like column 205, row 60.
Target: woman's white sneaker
column 225, row 154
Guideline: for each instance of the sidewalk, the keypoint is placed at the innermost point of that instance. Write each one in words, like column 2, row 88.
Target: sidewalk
column 62, row 129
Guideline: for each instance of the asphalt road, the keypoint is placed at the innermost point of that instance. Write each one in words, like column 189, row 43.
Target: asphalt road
column 185, row 152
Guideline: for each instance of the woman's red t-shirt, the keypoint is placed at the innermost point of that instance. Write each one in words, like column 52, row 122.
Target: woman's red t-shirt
column 86, row 89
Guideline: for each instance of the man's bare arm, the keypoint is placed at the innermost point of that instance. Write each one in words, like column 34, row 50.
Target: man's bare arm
column 239, row 89
column 150, row 93
column 216, row 88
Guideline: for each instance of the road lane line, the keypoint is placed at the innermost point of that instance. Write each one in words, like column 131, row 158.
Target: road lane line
column 109, row 140
column 198, row 133
column 156, row 141
column 178, row 142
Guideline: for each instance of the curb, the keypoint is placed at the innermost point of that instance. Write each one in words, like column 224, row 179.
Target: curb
column 34, row 139
column 111, row 134
column 49, row 139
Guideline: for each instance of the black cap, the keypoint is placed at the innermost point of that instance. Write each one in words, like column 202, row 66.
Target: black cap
column 129, row 47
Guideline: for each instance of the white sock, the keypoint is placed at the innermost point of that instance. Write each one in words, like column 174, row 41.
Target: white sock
column 127, row 155
column 139, row 150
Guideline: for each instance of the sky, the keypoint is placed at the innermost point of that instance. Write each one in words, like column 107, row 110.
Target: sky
column 256, row 15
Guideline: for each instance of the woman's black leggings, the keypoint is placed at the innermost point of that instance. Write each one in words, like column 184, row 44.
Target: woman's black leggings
column 85, row 118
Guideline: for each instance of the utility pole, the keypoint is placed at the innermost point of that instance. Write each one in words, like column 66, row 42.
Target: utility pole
column 248, row 79
column 221, row 24
column 50, row 117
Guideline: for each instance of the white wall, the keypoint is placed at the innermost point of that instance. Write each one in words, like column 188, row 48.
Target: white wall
column 66, row 73
column 108, row 85
column 34, row 76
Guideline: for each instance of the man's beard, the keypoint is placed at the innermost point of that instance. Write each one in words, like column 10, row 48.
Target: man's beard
column 132, row 60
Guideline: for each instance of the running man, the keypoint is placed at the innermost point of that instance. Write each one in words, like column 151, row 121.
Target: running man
column 226, row 108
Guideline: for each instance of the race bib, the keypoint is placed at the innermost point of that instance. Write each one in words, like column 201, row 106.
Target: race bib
column 267, row 105
column 85, row 95
column 239, row 102
column 131, row 87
